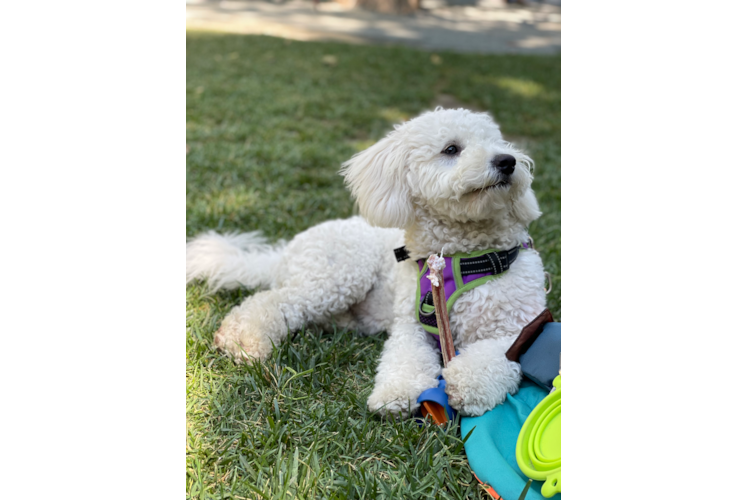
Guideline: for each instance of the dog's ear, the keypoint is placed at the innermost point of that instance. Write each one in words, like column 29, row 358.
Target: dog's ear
column 377, row 179
column 525, row 208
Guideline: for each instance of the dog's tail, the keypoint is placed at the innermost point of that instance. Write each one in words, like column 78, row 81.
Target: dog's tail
column 231, row 260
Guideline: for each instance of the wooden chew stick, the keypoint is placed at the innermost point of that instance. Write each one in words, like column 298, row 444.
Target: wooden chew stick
column 436, row 276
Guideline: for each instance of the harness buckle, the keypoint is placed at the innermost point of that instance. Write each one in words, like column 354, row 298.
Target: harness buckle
column 420, row 306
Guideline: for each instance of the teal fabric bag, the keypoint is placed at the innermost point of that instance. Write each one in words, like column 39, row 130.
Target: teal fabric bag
column 492, row 446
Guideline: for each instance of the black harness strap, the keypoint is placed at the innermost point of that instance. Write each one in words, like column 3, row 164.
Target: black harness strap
column 492, row 262
column 401, row 254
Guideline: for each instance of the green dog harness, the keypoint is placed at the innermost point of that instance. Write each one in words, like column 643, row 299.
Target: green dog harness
column 463, row 272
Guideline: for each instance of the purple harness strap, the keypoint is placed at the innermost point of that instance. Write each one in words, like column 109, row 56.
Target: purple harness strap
column 450, row 286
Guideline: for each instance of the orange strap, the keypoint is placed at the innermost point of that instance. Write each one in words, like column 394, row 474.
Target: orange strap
column 435, row 411
column 489, row 489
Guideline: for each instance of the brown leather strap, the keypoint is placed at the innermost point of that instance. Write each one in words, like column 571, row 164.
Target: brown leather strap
column 528, row 335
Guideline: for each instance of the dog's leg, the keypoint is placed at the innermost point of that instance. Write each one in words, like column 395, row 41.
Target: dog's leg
column 251, row 329
column 409, row 365
column 375, row 313
column 321, row 274
column 481, row 376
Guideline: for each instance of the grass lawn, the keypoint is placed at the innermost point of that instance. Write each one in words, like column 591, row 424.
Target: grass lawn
column 268, row 124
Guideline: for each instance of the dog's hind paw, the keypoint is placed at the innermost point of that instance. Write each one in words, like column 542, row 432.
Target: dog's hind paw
column 240, row 345
column 249, row 331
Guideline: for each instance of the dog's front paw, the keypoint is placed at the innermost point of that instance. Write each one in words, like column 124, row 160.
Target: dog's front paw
column 475, row 388
column 397, row 399
column 398, row 407
column 237, row 339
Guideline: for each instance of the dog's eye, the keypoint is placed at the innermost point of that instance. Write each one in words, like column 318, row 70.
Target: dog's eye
column 451, row 150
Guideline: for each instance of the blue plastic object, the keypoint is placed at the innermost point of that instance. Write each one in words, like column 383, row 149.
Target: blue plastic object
column 542, row 360
column 439, row 396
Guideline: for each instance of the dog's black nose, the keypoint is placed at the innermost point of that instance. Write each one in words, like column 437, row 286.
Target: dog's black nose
column 504, row 164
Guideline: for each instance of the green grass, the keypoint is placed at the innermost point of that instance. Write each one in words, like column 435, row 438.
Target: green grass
column 268, row 124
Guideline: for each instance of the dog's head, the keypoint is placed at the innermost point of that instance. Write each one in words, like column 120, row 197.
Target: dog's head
column 452, row 162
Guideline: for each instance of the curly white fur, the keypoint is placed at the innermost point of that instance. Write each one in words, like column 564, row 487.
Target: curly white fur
column 343, row 272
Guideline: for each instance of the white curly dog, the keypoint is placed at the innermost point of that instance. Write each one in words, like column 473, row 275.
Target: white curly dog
column 444, row 181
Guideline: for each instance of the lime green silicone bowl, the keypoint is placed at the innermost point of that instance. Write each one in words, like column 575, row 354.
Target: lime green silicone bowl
column 539, row 443
column 547, row 452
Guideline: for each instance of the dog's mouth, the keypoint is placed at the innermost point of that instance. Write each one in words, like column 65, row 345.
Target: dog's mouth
column 498, row 185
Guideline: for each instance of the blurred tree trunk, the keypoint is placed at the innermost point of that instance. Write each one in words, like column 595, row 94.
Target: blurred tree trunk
column 390, row 6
